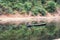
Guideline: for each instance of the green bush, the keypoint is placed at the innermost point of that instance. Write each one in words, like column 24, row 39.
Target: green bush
column 38, row 9
column 43, row 1
column 18, row 6
column 28, row 6
column 35, row 10
column 58, row 1
column 55, row 0
column 34, row 2
column 51, row 6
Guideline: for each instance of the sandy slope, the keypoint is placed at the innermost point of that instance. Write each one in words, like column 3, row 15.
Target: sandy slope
column 17, row 18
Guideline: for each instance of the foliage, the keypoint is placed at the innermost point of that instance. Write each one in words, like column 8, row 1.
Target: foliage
column 26, row 5
column 51, row 28
column 55, row 0
column 43, row 1
column 38, row 9
column 21, row 32
column 18, row 6
column 58, row 2
column 51, row 6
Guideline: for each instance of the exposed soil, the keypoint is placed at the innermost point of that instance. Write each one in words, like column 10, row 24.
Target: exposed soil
column 17, row 18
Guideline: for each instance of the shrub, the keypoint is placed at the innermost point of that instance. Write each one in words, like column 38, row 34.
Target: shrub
column 55, row 0
column 43, row 1
column 28, row 6
column 58, row 1
column 22, row 1
column 34, row 2
column 51, row 6
column 9, row 10
column 38, row 9
column 18, row 6
column 42, row 11
column 35, row 10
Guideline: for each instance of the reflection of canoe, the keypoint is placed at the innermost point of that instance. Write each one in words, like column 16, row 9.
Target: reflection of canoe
column 42, row 24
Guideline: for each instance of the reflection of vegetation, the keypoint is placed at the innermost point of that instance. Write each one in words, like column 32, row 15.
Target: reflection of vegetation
column 21, row 32
column 51, row 28
column 27, row 5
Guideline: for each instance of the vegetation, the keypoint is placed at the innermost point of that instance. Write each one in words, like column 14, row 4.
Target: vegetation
column 43, row 1
column 39, row 9
column 51, row 6
column 21, row 32
column 9, row 6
